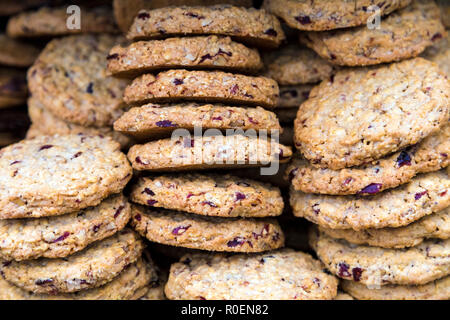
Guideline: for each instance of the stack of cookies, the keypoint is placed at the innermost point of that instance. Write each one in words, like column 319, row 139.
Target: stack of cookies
column 374, row 143
column 63, row 221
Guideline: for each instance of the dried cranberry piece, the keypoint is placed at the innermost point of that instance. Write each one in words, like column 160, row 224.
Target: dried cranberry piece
column 177, row 81
column 271, row 32
column 240, row 196
column 139, row 160
column 303, row 19
column 347, row 181
column 419, row 195
column 201, row 298
column 76, row 155
column 47, row 146
column 194, row 15
column 234, row 89
column 276, row 236
column 238, row 241
column 252, row 120
column 112, row 56
column 15, row 162
column 444, row 155
column 292, row 174
column 357, row 273
column 217, row 118
column 143, row 15
column 371, row 188
column 96, row 228
column 90, row 88
column 138, row 217
column 343, row 270
column 148, row 191
column 436, row 36
column 151, row 202
column 165, row 124
column 316, row 208
column 180, row 230
column 333, row 56
column 209, row 203
column 404, row 159
column 443, row 193
column 61, row 238
column 118, row 211
column 41, row 282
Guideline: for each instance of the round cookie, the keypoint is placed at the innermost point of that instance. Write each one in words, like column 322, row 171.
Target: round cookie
column 210, row 52
column 401, row 35
column 131, row 284
column 440, row 54
column 210, row 195
column 53, row 175
column 252, row 26
column 322, row 15
column 207, row 233
column 289, row 275
column 292, row 97
column 426, row 194
column 375, row 266
column 51, row 22
column 436, row 226
column 16, row 53
column 436, row 290
column 363, row 114
column 151, row 121
column 13, row 87
column 70, row 80
column 207, row 152
column 222, row 87
column 58, row 237
column 45, row 123
column 294, row 65
column 430, row 154
column 97, row 265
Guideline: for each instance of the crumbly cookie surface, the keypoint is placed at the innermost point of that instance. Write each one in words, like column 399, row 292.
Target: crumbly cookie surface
column 288, row 274
column 222, row 87
column 375, row 266
column 249, row 25
column 195, row 152
column 210, row 195
column 13, row 87
column 326, row 15
column 99, row 264
column 70, row 80
column 402, row 35
column 16, row 53
column 207, row 233
column 362, row 115
column 426, row 194
column 208, row 52
column 53, row 175
column 58, row 237
column 50, row 22
column 430, row 154
column 151, row 120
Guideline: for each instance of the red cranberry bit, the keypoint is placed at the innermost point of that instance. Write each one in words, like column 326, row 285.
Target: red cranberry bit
column 61, row 238
column 118, row 211
column 316, row 208
column 47, row 146
column 138, row 217
column 238, row 241
column 317, row 281
column 177, row 81
column 252, row 120
column 436, row 36
column 347, row 181
column 201, row 298
column 143, row 15
column 90, row 88
column 139, row 160
column 165, row 124
column 332, row 78
column 333, row 56
column 357, row 273
column 151, row 202
column 209, row 203
column 343, row 270
column 248, row 95
column 240, row 196
column 292, row 174
column 148, row 191
column 217, row 118
column 234, row 89
column 96, row 228
column 194, row 15
column 443, row 193
column 271, row 32
column 404, row 159
column 76, row 155
column 42, row 282
column 15, row 162
column 419, row 195
column 303, row 19
column 180, row 230
column 112, row 56
column 442, row 155
column 372, row 188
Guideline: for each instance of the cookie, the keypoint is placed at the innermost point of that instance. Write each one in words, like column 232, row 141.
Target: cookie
column 291, row 97
column 13, row 88
column 207, row 152
column 126, row 10
column 363, row 114
column 436, row 290
column 45, row 123
column 51, row 22
column 435, row 226
column 444, row 6
column 58, row 237
column 375, row 266
column 222, row 87
column 426, row 194
column 322, row 15
column 430, row 154
column 70, row 80
column 151, row 121
column 401, row 35
column 440, row 54
column 207, row 233
column 251, row 26
column 294, row 65
column 53, row 175
column 95, row 266
column 209, row 194
column 210, row 52
column 289, row 275
column 15, row 53
column 131, row 284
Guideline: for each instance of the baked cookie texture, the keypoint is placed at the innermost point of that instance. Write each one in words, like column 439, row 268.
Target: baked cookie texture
column 436, row 290
column 13, row 87
column 403, row 34
column 251, row 26
column 326, row 15
column 69, row 79
column 430, row 154
column 59, row 237
column 51, row 22
column 207, row 152
column 426, row 194
column 434, row 226
column 207, row 233
column 295, row 65
column 150, row 121
column 16, row 53
column 53, row 175
column 131, row 284
column 209, row 195
column 95, row 266
column 374, row 266
column 207, row 52
column 361, row 115
column 202, row 86
column 288, row 274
